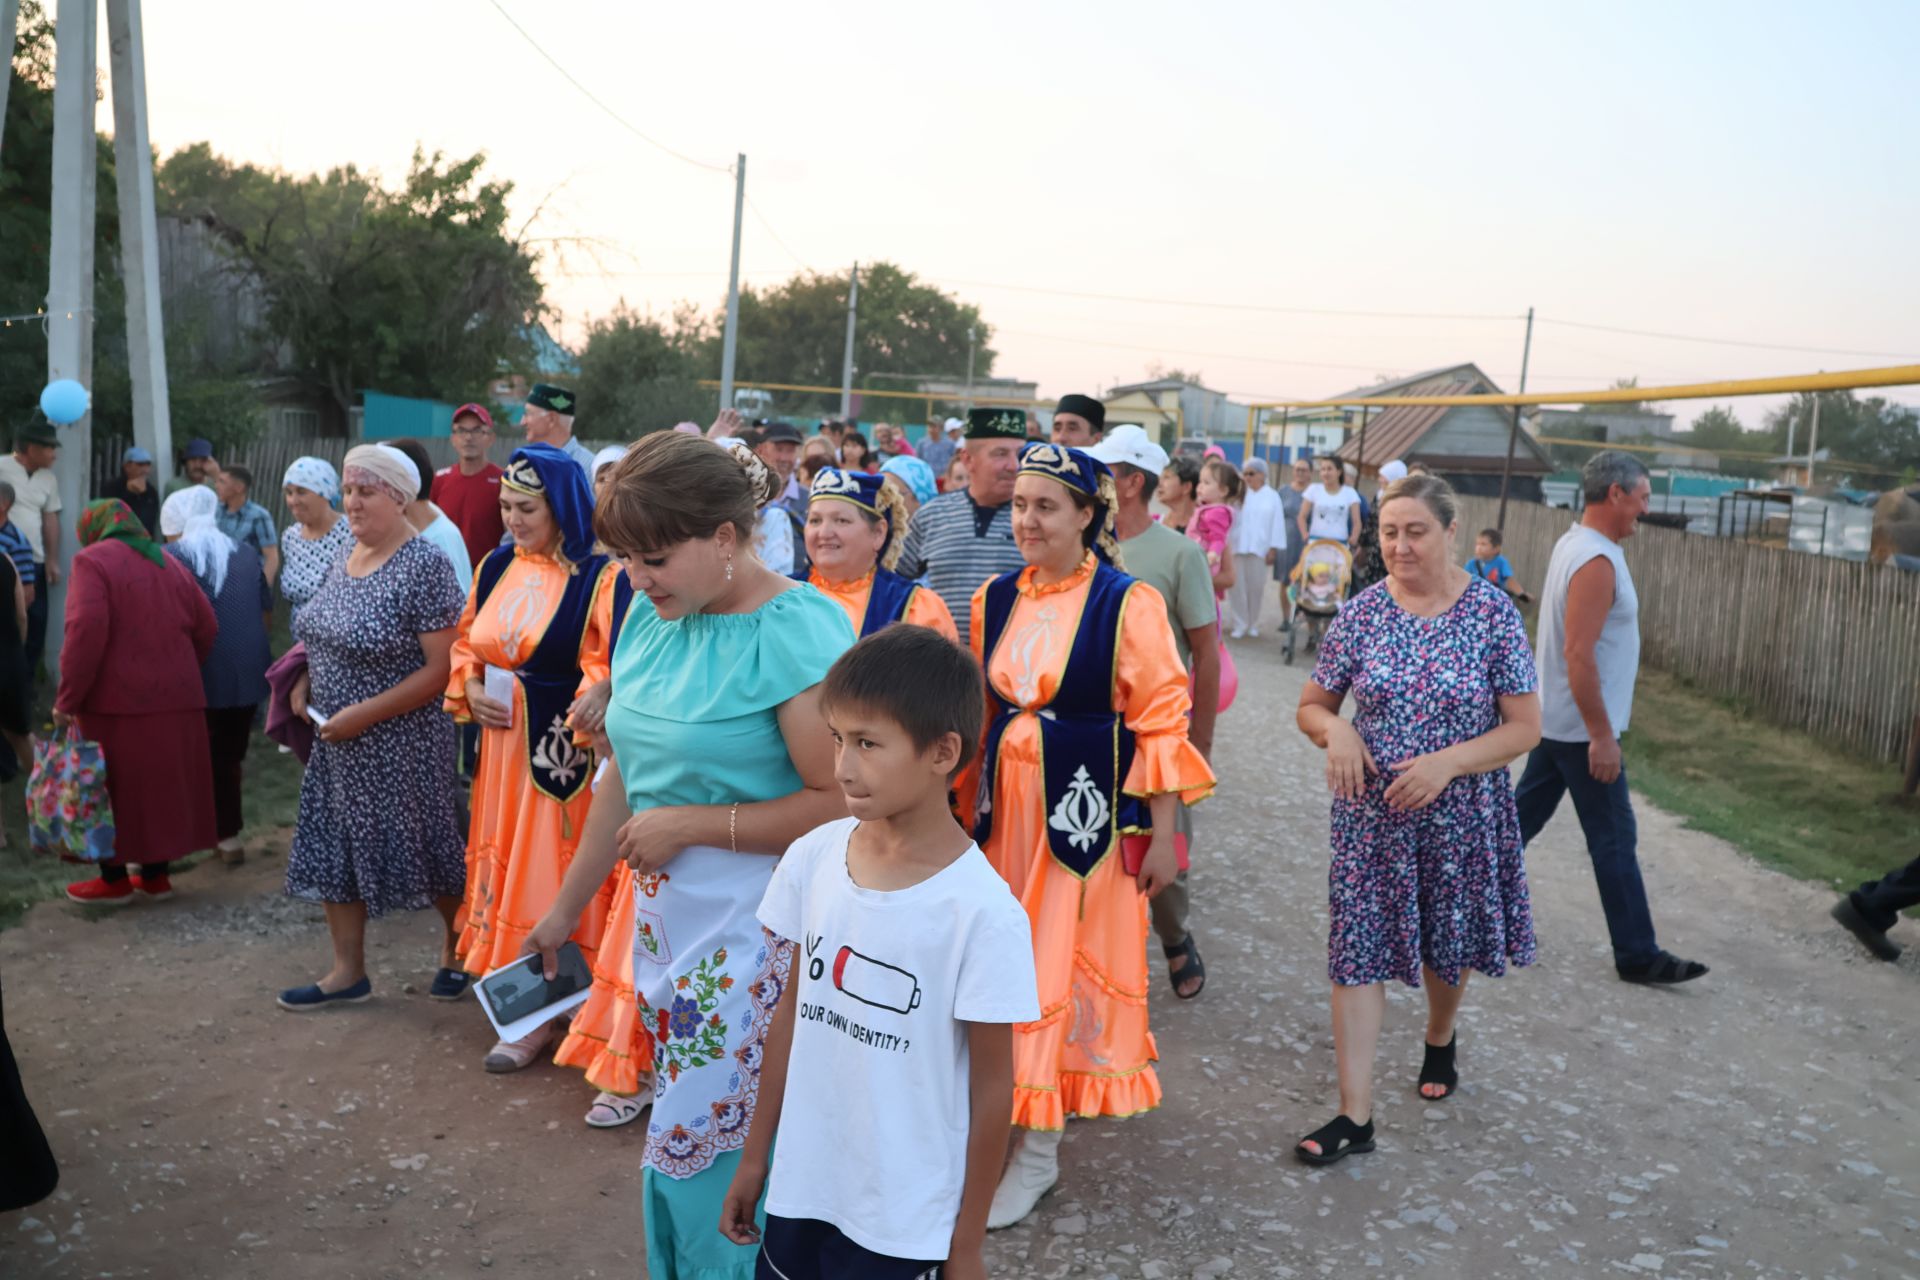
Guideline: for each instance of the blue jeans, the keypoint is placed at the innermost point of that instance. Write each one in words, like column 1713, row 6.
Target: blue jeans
column 1605, row 811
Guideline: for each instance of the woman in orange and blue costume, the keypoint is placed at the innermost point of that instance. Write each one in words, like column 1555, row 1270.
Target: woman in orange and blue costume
column 1086, row 744
column 856, row 524
column 542, row 607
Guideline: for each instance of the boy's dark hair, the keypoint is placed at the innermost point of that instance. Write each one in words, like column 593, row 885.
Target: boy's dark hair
column 244, row 476
column 918, row 679
column 1491, row 535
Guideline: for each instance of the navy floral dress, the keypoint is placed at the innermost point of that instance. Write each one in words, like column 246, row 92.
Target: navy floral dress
column 377, row 821
column 1444, row 886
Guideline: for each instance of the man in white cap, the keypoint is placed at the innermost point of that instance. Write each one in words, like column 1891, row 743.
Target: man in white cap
column 938, row 448
column 1176, row 567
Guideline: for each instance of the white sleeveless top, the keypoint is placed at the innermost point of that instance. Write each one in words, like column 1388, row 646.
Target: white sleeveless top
column 1617, row 653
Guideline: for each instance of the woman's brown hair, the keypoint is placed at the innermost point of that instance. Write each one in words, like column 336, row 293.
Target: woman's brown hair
column 673, row 487
column 1435, row 494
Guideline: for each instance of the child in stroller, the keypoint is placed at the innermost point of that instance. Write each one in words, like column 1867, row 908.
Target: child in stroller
column 1317, row 589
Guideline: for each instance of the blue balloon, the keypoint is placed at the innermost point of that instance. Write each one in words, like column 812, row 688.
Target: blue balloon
column 63, row 402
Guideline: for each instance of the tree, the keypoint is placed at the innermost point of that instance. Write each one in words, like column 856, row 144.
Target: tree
column 418, row 290
column 1883, row 436
column 638, row 375
column 796, row 332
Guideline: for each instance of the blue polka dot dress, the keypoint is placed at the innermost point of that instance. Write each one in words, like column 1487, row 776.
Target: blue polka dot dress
column 1444, row 886
column 377, row 821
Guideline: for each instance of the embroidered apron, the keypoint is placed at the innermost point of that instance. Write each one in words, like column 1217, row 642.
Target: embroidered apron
column 1086, row 748
column 708, row 978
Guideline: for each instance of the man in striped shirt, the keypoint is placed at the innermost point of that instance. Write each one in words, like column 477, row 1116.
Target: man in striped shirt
column 961, row 539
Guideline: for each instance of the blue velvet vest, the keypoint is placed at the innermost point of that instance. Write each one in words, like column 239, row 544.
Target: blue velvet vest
column 1086, row 748
column 550, row 677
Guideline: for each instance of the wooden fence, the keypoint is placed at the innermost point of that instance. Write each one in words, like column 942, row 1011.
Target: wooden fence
column 1831, row 647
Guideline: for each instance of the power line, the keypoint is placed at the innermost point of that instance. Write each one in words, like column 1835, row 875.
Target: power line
column 768, row 227
column 619, row 119
column 1726, row 342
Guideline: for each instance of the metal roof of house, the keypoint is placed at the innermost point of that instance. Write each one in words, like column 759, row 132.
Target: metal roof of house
column 1397, row 432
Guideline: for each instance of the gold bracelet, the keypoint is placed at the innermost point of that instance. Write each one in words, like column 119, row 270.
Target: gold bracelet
column 733, row 827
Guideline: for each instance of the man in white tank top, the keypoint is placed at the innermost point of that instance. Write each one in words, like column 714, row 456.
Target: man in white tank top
column 1588, row 650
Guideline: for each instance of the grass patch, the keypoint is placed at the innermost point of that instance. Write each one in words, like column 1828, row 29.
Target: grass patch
column 1788, row 800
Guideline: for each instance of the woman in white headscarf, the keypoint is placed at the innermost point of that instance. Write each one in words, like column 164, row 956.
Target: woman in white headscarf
column 234, row 672
column 377, row 830
column 316, row 536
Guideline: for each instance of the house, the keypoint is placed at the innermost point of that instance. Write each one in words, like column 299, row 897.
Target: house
column 1792, row 469
column 1465, row 444
column 1626, row 424
column 1196, row 410
column 1287, row 434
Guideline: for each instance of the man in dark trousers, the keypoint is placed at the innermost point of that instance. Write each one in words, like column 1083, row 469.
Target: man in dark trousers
column 1872, row 909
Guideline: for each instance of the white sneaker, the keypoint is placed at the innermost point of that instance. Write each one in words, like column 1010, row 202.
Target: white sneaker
column 1253, row 632
column 1033, row 1171
column 1239, row 633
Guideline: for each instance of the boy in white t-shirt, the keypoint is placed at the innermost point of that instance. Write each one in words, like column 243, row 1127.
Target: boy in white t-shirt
column 889, row 1067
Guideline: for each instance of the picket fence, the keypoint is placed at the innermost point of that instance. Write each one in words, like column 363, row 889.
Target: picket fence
column 1827, row 646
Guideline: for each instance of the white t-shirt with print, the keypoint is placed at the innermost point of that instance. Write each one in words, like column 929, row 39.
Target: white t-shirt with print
column 1330, row 518
column 873, row 1130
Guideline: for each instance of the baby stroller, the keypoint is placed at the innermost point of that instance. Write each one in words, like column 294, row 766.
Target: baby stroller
column 1317, row 588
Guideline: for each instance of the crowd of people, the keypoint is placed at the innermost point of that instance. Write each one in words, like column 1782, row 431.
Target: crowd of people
column 851, row 770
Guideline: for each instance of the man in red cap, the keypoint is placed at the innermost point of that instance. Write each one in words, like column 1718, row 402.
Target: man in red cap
column 469, row 490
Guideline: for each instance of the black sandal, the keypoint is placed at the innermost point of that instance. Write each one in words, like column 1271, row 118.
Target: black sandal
column 1664, row 970
column 1439, row 1069
column 1338, row 1139
column 1193, row 968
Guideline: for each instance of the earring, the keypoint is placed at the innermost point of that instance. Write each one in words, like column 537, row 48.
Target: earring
column 729, row 566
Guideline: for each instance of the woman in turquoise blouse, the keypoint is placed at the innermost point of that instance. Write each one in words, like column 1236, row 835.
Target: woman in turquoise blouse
column 721, row 759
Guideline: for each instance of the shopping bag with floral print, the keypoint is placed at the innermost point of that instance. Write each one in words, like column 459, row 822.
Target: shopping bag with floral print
column 68, row 811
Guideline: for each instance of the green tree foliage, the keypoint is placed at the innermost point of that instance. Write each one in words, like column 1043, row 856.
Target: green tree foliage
column 1873, row 432
column 639, row 375
column 796, row 332
column 1718, row 429
column 418, row 290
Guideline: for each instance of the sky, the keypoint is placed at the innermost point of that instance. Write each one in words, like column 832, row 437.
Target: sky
column 1121, row 184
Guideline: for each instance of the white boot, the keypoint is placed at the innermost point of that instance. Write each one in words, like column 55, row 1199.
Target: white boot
column 1034, row 1169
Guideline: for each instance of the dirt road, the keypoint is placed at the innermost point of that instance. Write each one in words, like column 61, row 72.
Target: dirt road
column 1762, row 1122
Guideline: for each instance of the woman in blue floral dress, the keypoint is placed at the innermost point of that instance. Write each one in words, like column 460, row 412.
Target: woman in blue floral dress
column 1427, row 880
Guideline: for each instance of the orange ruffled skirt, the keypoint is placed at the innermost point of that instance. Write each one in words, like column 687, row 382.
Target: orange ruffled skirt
column 519, row 846
column 1091, row 1053
column 605, row 1039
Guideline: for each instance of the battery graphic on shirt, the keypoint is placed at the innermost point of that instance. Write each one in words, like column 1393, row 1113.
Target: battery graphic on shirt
column 875, row 982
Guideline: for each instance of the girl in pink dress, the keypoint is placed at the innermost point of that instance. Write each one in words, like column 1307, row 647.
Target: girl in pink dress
column 1217, row 493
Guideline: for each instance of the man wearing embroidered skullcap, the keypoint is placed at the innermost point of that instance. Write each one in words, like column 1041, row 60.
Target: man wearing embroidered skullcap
column 549, row 420
column 1079, row 421
column 961, row 539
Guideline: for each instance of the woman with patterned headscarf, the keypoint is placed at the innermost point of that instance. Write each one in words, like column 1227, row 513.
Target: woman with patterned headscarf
column 138, row 627
column 1086, row 744
column 377, row 831
column 316, row 536
column 855, row 524
column 536, row 633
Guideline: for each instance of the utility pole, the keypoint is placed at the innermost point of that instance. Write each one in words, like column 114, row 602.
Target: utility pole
column 970, row 345
column 1513, row 432
column 70, row 274
column 1813, row 437
column 9, row 24
column 846, row 365
column 139, row 237
column 729, row 343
